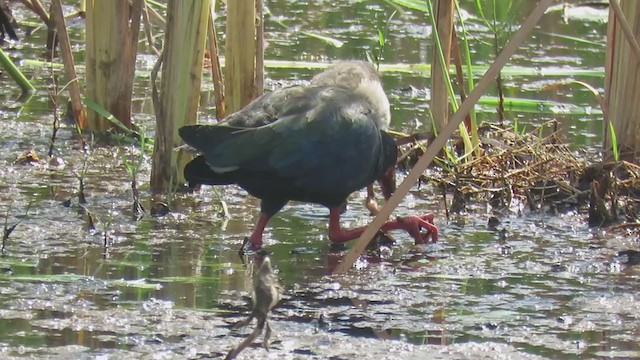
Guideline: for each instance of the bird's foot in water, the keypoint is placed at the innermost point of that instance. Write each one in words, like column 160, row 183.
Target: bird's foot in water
column 415, row 225
column 421, row 228
column 249, row 248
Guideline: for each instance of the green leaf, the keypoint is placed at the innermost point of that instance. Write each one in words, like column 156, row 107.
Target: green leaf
column 329, row 40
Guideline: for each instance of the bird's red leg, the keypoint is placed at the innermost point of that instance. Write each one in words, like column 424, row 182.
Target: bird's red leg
column 411, row 224
column 258, row 231
column 338, row 234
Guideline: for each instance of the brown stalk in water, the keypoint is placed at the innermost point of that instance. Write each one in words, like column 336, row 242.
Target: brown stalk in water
column 79, row 114
column 133, row 168
column 53, row 96
column 216, row 71
column 81, row 176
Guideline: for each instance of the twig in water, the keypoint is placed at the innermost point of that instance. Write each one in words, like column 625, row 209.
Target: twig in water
column 53, row 95
column 7, row 230
column 133, row 167
column 147, row 29
column 81, row 184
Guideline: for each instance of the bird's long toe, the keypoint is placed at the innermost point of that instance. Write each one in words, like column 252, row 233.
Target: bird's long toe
column 421, row 228
column 250, row 247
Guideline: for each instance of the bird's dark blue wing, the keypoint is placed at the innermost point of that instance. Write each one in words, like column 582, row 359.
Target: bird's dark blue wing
column 334, row 142
column 323, row 137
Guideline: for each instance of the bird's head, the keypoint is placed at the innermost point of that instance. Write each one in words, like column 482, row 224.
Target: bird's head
column 388, row 183
column 388, row 165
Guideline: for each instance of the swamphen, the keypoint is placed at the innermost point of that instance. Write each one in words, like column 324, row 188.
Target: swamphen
column 316, row 143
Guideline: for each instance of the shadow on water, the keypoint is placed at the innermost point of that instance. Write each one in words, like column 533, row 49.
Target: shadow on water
column 172, row 286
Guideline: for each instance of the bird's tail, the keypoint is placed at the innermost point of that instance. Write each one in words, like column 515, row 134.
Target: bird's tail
column 198, row 172
column 205, row 137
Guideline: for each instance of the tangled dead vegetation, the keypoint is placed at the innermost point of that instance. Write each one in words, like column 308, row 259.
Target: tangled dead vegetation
column 534, row 171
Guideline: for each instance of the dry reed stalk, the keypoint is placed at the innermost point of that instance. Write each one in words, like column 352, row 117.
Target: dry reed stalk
column 112, row 28
column 216, row 69
column 182, row 60
column 79, row 113
column 240, row 54
column 622, row 80
column 443, row 10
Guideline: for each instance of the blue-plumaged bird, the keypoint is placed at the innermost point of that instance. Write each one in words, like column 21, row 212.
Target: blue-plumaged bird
column 317, row 143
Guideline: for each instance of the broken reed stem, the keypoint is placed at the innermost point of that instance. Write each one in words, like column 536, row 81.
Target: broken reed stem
column 518, row 38
column 155, row 17
column 37, row 7
column 148, row 30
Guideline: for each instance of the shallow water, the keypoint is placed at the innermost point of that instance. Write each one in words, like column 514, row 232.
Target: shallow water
column 541, row 286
